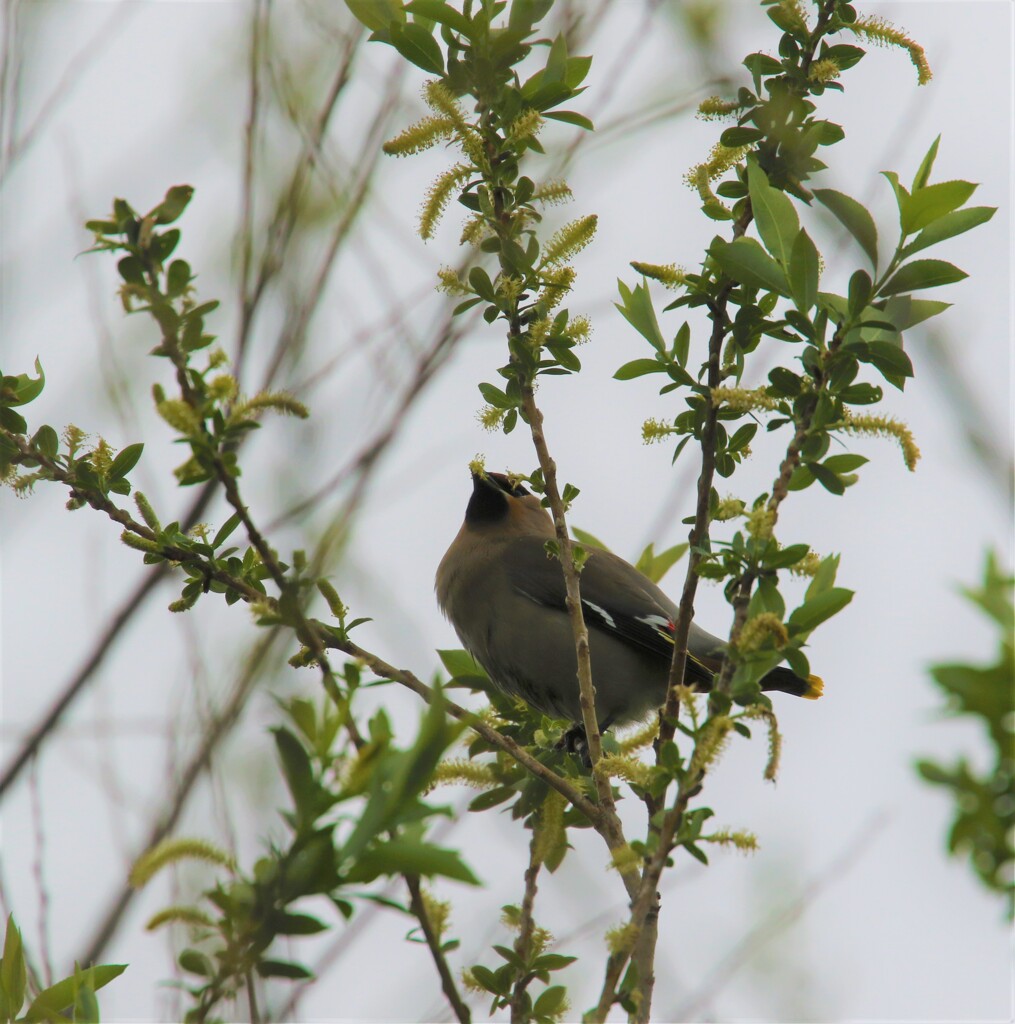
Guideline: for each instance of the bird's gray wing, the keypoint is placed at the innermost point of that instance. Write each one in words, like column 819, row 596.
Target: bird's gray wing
column 616, row 598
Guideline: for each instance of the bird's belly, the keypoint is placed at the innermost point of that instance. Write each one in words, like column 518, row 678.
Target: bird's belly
column 541, row 668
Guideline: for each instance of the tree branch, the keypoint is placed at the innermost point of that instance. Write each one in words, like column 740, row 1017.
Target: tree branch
column 418, row 907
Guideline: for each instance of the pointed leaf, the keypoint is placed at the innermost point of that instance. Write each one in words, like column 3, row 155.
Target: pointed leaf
column 929, row 204
column 922, row 274
column 570, row 117
column 746, row 261
column 587, row 539
column 638, row 311
column 638, row 368
column 418, row 46
column 817, row 609
column 774, row 213
column 376, row 15
column 926, row 165
column 854, row 217
column 13, row 972
column 804, row 271
column 125, row 461
column 445, row 14
column 58, row 997
column 951, row 224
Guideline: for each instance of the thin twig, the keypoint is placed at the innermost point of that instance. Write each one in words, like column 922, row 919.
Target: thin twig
column 526, row 929
column 126, row 612
column 45, row 957
column 433, row 941
column 217, row 729
column 609, row 826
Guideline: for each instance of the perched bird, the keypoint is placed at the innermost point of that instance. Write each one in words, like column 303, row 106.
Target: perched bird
column 505, row 598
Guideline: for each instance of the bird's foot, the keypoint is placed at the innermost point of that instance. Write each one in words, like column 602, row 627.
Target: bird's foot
column 574, row 741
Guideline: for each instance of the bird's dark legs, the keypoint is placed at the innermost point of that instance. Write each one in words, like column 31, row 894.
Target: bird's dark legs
column 574, row 741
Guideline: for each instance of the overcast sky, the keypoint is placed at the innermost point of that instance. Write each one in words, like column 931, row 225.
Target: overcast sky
column 888, row 929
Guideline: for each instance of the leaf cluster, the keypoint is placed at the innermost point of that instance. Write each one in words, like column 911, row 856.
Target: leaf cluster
column 355, row 816
column 71, row 999
column 484, row 49
column 983, row 826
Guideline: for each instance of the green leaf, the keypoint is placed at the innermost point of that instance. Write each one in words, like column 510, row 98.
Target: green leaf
column 461, row 664
column 282, row 969
column 51, row 1001
column 922, row 274
column 948, row 226
column 570, row 117
column 26, row 389
column 226, row 529
column 177, row 277
column 787, row 556
column 86, row 1006
column 488, row 980
column 492, row 798
column 480, row 282
column 12, row 421
column 901, row 195
column 638, row 311
column 845, row 463
column 804, row 272
column 554, row 962
column 174, row 204
column 817, row 609
column 46, row 440
column 654, row 566
column 774, row 213
column 824, row 577
column 418, row 46
column 401, row 856
column 639, row 368
column 494, row 396
column 13, row 973
column 746, row 262
column 738, row 136
column 525, row 14
column 131, row 270
column 929, row 204
column 891, row 360
column 904, row 311
column 377, row 15
column 829, row 480
column 861, row 394
column 576, row 70
column 926, row 165
column 550, row 1002
column 762, row 64
column 297, row 924
column 556, row 62
column 844, row 55
column 125, row 461
column 854, row 217
column 587, row 539
column 299, row 776
column 444, row 14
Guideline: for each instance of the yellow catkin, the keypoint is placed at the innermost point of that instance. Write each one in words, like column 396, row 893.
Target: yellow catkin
column 885, row 426
column 882, row 32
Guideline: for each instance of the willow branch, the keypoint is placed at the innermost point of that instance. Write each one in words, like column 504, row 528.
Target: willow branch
column 433, row 941
column 523, row 944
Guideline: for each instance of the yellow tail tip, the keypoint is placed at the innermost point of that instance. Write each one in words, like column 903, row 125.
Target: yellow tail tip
column 816, row 687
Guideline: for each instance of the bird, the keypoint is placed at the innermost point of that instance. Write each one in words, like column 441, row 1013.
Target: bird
column 506, row 599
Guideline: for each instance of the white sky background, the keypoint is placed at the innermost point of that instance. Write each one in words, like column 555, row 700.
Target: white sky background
column 895, row 931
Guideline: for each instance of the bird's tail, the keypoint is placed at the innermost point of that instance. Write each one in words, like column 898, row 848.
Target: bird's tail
column 787, row 681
